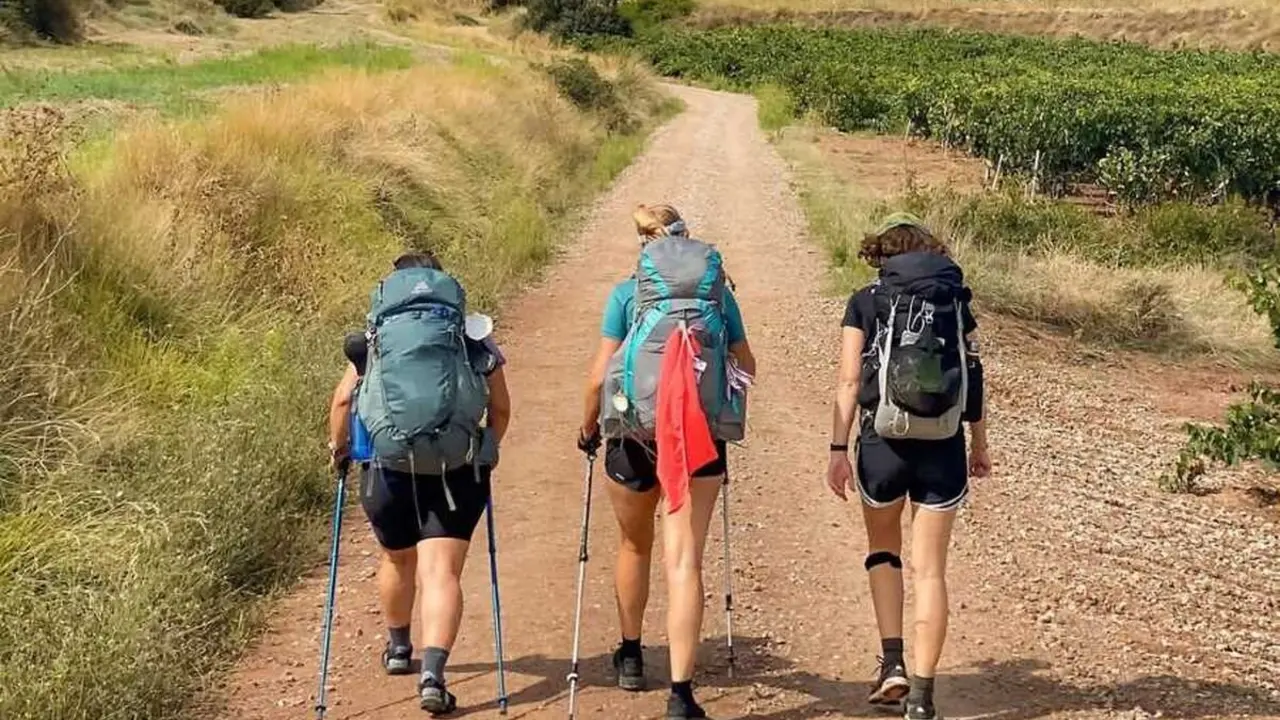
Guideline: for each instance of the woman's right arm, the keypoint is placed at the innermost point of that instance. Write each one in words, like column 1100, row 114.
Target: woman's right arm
column 340, row 413
column 850, row 375
column 595, row 382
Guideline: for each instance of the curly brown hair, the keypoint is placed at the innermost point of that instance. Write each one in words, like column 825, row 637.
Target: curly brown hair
column 880, row 246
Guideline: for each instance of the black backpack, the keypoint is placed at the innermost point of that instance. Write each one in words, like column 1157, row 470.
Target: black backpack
column 923, row 381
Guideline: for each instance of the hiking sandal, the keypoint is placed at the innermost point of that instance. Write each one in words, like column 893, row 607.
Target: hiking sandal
column 397, row 660
column 434, row 698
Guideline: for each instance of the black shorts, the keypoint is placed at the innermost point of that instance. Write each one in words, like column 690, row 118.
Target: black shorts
column 632, row 464
column 400, row 521
column 933, row 473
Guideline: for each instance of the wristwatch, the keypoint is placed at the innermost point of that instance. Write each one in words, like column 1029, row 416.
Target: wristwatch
column 839, row 447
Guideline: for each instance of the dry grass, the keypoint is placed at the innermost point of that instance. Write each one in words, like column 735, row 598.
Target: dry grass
column 1240, row 24
column 1170, row 310
column 173, row 299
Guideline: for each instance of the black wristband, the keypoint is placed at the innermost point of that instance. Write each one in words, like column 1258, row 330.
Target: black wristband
column 839, row 448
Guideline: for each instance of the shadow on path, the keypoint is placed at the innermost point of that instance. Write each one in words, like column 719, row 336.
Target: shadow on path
column 1015, row 689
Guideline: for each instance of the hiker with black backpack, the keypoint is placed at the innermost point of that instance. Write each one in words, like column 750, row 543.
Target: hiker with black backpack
column 430, row 396
column 671, row 372
column 910, row 373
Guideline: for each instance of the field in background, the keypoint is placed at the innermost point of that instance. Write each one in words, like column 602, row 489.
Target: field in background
column 1236, row 24
column 173, row 292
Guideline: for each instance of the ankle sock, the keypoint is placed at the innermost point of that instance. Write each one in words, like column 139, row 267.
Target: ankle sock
column 631, row 648
column 399, row 636
column 921, row 692
column 433, row 661
column 892, row 649
column 684, row 691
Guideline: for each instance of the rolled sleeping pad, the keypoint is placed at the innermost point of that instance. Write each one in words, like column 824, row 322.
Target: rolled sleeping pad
column 356, row 350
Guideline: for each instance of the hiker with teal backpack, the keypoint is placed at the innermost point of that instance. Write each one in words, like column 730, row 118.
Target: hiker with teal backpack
column 431, row 398
column 910, row 376
column 674, row 349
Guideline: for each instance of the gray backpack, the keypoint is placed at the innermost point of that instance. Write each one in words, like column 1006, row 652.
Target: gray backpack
column 924, row 375
column 421, row 399
column 680, row 282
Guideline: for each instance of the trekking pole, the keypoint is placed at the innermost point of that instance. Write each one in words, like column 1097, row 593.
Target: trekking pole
column 728, row 569
column 582, row 577
column 333, row 589
column 497, row 610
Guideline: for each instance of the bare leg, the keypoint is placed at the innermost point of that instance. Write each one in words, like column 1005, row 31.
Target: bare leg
column 396, row 586
column 930, row 538
column 684, row 539
column 884, row 536
column 884, row 573
column 635, row 513
column 440, row 563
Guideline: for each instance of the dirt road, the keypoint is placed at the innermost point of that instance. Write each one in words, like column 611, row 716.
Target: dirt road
column 1061, row 607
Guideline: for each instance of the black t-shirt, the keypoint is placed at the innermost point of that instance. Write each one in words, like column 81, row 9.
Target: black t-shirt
column 860, row 312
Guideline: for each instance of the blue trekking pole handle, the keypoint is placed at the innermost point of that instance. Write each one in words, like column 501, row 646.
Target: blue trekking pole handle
column 497, row 607
column 330, row 596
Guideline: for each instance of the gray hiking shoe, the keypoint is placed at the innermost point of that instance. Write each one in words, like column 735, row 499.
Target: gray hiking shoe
column 630, row 670
column 891, row 684
column 919, row 711
column 397, row 660
column 434, row 698
column 679, row 709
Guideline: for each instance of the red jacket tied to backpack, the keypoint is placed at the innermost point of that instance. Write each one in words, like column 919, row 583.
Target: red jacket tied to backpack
column 683, row 437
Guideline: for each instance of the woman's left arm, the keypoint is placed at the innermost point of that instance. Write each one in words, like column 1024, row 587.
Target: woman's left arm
column 737, row 332
column 499, row 404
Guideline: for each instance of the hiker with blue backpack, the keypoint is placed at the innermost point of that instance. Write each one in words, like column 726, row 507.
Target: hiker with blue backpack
column 910, row 376
column 430, row 398
column 667, row 389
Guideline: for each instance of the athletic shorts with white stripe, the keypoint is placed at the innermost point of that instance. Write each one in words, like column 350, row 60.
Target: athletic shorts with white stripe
column 933, row 473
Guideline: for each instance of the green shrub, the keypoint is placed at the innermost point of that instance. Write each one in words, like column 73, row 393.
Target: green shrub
column 56, row 20
column 644, row 15
column 1251, row 430
column 579, row 82
column 247, row 8
column 1232, row 235
column 570, row 19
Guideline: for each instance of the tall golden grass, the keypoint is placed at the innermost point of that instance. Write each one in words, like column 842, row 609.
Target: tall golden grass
column 172, row 301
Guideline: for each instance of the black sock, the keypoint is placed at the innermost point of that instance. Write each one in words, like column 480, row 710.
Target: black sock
column 399, row 636
column 684, row 691
column 433, row 660
column 630, row 648
column 892, row 649
column 921, row 691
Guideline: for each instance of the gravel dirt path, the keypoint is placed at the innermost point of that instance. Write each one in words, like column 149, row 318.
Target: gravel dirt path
column 1078, row 590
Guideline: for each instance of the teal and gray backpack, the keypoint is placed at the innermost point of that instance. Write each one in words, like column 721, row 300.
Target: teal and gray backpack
column 679, row 281
column 421, row 399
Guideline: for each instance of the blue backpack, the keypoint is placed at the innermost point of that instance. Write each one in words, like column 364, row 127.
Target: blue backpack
column 421, row 400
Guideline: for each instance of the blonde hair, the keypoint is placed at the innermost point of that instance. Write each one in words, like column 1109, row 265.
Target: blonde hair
column 652, row 221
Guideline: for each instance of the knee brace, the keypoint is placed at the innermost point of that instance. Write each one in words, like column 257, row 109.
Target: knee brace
column 882, row 557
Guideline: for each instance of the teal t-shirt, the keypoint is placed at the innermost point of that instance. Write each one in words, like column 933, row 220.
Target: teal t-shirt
column 620, row 308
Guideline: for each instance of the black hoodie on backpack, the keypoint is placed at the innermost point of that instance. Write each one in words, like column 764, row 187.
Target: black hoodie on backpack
column 932, row 277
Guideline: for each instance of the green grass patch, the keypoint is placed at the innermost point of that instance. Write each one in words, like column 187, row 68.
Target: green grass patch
column 174, row 87
column 777, row 109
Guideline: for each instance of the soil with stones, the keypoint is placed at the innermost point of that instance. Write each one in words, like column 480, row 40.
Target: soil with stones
column 1077, row 588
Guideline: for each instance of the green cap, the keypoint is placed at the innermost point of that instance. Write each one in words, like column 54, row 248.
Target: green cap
column 900, row 219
